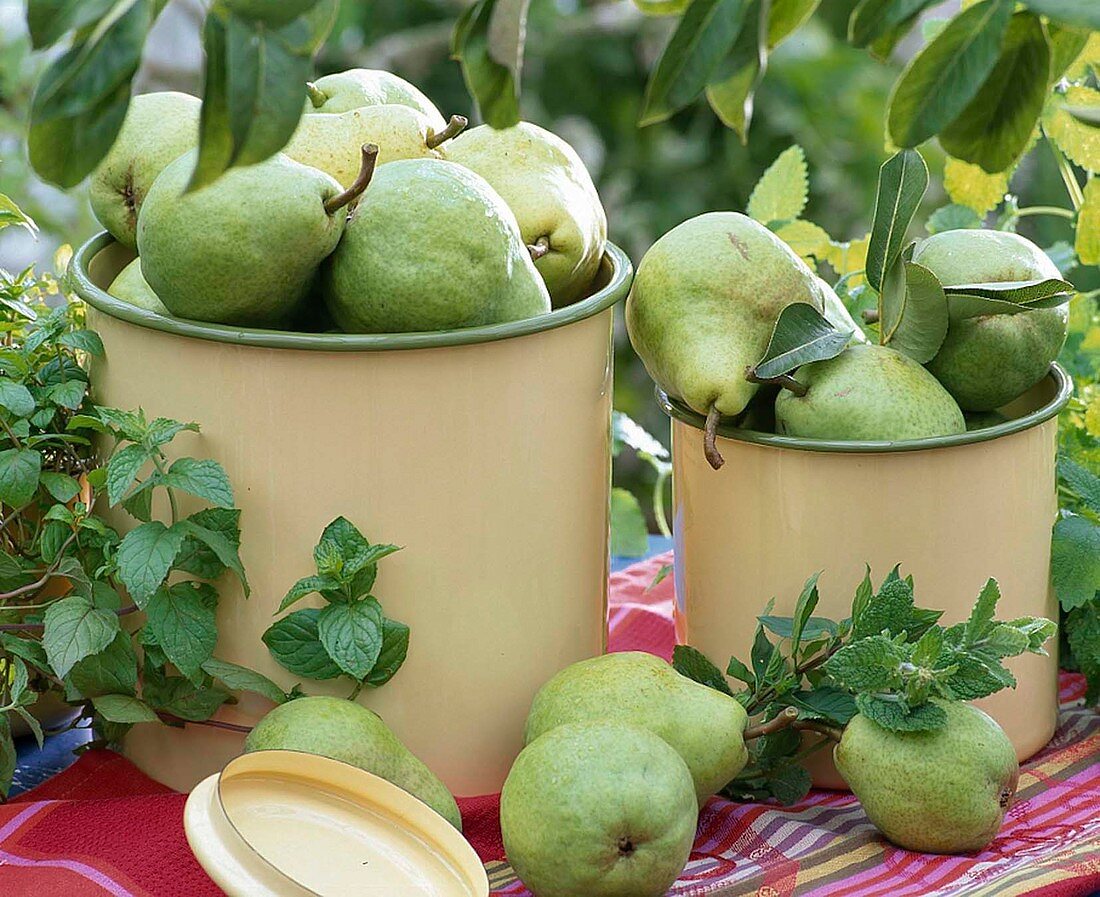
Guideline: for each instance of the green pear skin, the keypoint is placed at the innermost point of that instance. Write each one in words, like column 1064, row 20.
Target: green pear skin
column 704, row 726
column 158, row 129
column 333, row 142
column 431, row 246
column 704, row 303
column 355, row 88
column 131, row 287
column 546, row 184
column 598, row 810
column 345, row 731
column 944, row 791
column 988, row 361
column 243, row 250
column 868, row 392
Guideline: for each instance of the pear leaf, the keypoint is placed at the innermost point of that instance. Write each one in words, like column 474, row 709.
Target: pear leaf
column 941, row 80
column 705, row 34
column 801, row 336
column 994, row 129
column 915, row 315
column 695, row 665
column 782, row 191
column 1020, row 292
column 874, row 20
column 488, row 43
column 1069, row 12
column 961, row 306
column 902, row 181
column 896, row 716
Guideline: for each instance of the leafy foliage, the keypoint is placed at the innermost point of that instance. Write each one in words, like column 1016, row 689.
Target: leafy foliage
column 350, row 635
column 886, row 661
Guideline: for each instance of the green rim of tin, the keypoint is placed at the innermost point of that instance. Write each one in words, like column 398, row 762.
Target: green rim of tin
column 618, row 283
column 1063, row 390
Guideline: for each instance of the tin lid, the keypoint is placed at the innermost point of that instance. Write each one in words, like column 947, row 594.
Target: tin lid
column 289, row 824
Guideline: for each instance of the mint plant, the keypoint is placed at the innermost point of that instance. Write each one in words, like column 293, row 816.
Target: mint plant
column 629, row 531
column 350, row 635
column 887, row 660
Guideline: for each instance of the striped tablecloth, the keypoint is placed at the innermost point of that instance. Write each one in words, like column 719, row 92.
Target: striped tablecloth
column 101, row 827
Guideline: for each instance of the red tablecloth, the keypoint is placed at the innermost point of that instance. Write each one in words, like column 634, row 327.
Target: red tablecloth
column 102, row 827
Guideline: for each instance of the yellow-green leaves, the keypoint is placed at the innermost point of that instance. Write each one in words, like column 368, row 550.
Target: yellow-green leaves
column 945, row 76
column 1079, row 141
column 782, row 191
column 703, row 37
column 488, row 43
column 969, row 186
column 1087, row 244
column 995, row 127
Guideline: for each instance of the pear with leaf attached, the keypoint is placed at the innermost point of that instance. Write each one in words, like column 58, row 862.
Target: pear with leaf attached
column 546, row 184
column 245, row 249
column 703, row 306
column 988, row 360
column 355, row 88
column 158, row 129
column 866, row 393
column 940, row 791
column 705, row 726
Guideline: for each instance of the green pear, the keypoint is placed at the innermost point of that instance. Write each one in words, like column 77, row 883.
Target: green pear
column 271, row 12
column 431, row 246
column 837, row 314
column 867, row 392
column 131, row 286
column 355, row 88
column 988, row 361
column 331, row 142
column 545, row 183
column 703, row 725
column 348, row 732
column 944, row 791
column 598, row 810
column 158, row 129
column 704, row 304
column 245, row 249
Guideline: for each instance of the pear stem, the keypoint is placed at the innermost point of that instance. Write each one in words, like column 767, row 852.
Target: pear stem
column 783, row 721
column 539, row 248
column 710, row 434
column 316, row 96
column 366, row 171
column 786, row 381
column 455, row 126
column 831, row 732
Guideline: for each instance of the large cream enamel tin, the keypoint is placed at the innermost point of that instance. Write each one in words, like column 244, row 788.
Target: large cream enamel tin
column 483, row 452
column 953, row 512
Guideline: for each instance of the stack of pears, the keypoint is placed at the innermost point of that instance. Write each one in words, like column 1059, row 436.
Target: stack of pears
column 380, row 216
column 708, row 295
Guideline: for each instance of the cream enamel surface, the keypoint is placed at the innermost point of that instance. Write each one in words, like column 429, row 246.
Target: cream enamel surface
column 488, row 463
column 953, row 517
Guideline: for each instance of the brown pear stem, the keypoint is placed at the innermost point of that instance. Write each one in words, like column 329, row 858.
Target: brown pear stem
column 455, row 126
column 366, row 171
column 710, row 434
column 786, row 381
column 830, row 732
column 316, row 96
column 539, row 248
column 869, row 315
column 783, row 721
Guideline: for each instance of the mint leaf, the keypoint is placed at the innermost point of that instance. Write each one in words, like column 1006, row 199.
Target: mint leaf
column 19, row 471
column 813, row 628
column 195, row 556
column 868, row 664
column 694, row 664
column 223, row 546
column 181, row 697
column 111, row 671
column 308, row 586
column 892, row 610
column 181, row 619
column 1075, row 561
column 69, row 394
column 7, row 756
column 241, row 678
column 341, row 541
column 395, row 648
column 139, row 503
column 123, row 469
column 897, row 717
column 60, row 485
column 74, row 629
column 145, row 556
column 981, row 617
column 16, row 397
column 741, row 673
column 1083, row 635
column 978, row 676
column 203, row 478
column 826, row 703
column 295, row 643
column 790, row 783
column 84, row 341
column 352, row 635
column 805, row 605
column 629, row 537
column 163, row 430
column 1081, row 481
column 124, row 709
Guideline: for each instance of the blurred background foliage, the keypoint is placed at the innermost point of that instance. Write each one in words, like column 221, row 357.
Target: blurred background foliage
column 586, row 68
